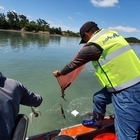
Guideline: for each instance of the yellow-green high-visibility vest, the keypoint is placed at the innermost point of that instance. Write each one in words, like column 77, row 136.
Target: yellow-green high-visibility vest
column 118, row 66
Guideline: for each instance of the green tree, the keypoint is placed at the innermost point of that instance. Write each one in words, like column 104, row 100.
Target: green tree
column 3, row 22
column 42, row 25
column 23, row 20
column 13, row 20
column 31, row 26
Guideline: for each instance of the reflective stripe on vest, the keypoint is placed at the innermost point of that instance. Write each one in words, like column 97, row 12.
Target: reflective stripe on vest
column 125, row 85
column 113, row 55
column 100, row 33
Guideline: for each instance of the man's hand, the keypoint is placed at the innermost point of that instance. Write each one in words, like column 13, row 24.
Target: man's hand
column 56, row 73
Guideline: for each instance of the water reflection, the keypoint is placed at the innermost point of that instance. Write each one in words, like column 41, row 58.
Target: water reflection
column 24, row 40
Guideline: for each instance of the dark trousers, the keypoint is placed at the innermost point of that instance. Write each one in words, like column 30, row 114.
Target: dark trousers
column 126, row 104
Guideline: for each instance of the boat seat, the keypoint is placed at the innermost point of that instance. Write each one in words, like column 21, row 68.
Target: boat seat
column 20, row 130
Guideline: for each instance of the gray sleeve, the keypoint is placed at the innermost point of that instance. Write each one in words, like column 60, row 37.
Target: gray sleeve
column 89, row 52
column 29, row 98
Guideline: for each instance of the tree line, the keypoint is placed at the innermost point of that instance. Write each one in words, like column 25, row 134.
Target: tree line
column 132, row 40
column 15, row 21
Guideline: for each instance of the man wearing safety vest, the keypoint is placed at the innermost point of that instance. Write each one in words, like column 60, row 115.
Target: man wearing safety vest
column 117, row 68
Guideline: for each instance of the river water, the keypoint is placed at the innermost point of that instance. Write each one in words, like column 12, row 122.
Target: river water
column 31, row 59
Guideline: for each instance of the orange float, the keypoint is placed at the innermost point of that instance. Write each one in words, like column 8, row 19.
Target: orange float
column 105, row 136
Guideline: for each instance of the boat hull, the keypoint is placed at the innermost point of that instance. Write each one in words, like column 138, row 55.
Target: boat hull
column 77, row 131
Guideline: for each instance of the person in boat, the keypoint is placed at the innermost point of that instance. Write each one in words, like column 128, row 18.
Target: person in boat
column 12, row 94
column 117, row 68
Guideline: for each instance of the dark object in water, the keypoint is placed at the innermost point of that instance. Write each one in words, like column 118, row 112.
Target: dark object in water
column 62, row 111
